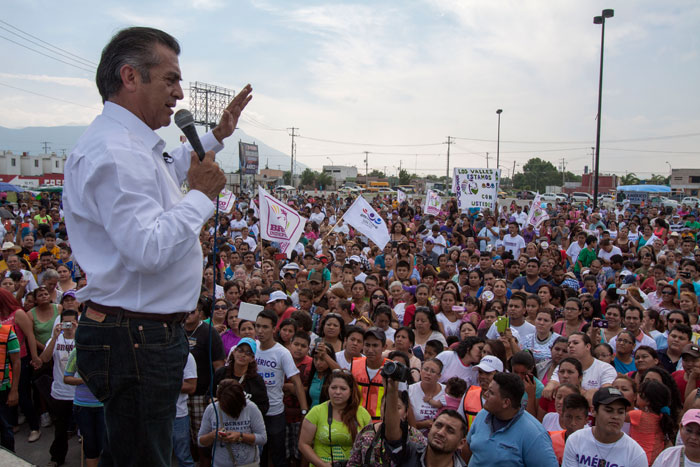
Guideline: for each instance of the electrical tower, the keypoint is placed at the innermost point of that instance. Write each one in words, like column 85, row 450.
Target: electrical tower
column 449, row 143
column 293, row 152
column 207, row 103
column 46, row 146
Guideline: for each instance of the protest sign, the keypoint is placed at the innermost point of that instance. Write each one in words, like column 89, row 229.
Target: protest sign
column 279, row 223
column 476, row 188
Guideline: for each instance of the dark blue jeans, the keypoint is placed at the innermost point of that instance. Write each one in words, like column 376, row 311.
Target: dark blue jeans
column 274, row 450
column 135, row 367
column 7, row 437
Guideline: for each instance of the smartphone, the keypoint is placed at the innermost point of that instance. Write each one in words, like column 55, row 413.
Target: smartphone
column 458, row 309
column 502, row 323
column 600, row 323
column 622, row 291
column 222, row 433
column 66, row 325
column 684, row 274
column 280, row 256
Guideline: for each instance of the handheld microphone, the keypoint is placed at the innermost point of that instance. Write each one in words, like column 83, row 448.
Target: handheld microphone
column 185, row 122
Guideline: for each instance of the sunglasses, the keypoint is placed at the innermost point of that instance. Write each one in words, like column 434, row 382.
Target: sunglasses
column 665, row 292
column 220, row 307
column 378, row 297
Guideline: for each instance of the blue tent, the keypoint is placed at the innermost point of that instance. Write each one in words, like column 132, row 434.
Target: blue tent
column 645, row 188
column 10, row 187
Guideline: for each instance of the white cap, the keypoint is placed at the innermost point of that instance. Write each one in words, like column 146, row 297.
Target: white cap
column 355, row 258
column 490, row 364
column 293, row 266
column 277, row 295
column 544, row 245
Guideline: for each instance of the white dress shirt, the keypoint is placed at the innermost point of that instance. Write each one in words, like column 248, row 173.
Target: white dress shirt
column 131, row 229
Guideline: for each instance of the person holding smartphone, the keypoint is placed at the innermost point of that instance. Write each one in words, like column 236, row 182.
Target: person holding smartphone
column 685, row 275
column 59, row 348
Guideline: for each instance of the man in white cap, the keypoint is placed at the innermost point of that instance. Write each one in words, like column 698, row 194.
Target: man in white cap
column 689, row 452
column 8, row 248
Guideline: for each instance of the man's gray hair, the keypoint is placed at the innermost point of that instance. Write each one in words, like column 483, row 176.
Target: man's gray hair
column 131, row 46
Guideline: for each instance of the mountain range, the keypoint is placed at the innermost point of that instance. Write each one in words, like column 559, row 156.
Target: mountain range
column 60, row 139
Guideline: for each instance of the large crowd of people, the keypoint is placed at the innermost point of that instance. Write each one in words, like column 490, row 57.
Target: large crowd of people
column 472, row 337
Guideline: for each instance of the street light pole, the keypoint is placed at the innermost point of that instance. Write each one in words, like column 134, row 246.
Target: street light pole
column 609, row 13
column 332, row 172
column 498, row 141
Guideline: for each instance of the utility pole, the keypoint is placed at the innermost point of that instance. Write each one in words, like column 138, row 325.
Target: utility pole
column 449, row 143
column 512, row 177
column 593, row 171
column 487, row 160
column 292, row 152
column 46, row 146
column 366, row 169
column 563, row 172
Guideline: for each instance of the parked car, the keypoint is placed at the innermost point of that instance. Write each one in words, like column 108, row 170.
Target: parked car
column 580, row 197
column 386, row 191
column 552, row 198
column 502, row 195
column 526, row 194
column 691, row 201
column 664, row 202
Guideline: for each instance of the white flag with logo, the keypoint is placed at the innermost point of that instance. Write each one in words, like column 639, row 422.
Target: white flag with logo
column 400, row 196
column 432, row 203
column 366, row 221
column 537, row 213
column 279, row 223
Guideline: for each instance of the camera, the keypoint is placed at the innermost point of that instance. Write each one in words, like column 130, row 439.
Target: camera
column 66, row 325
column 684, row 274
column 396, row 371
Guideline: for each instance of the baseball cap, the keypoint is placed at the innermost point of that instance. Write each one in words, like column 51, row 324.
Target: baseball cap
column 429, row 240
column 316, row 277
column 691, row 416
column 376, row 333
column 249, row 342
column 608, row 395
column 489, row 364
column 544, row 245
column 692, row 350
column 322, row 258
column 355, row 258
column 276, row 296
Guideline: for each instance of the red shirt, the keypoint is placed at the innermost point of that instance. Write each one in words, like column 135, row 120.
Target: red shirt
column 679, row 377
column 292, row 408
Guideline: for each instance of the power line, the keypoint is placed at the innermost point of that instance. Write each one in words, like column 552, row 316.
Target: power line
column 46, row 55
column 67, row 55
column 88, row 62
column 48, row 97
column 625, row 140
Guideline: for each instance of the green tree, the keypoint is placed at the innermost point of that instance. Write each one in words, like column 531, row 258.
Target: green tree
column 537, row 174
column 404, row 177
column 658, row 180
column 377, row 173
column 287, row 177
column 308, row 177
column 324, row 180
column 629, row 179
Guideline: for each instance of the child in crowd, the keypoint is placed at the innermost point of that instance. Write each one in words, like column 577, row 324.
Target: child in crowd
column 432, row 349
column 299, row 347
column 652, row 423
column 552, row 420
column 454, row 390
column 574, row 416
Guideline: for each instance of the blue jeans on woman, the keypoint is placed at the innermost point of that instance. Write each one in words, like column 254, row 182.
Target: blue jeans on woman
column 134, row 367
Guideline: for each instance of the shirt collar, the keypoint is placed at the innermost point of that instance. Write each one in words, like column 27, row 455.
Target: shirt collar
column 135, row 125
column 489, row 417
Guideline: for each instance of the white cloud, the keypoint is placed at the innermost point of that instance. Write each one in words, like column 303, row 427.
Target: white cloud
column 61, row 80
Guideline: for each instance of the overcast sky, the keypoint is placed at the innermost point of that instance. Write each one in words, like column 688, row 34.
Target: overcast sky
column 396, row 78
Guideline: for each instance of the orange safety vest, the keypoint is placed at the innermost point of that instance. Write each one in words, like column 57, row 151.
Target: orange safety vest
column 472, row 404
column 372, row 390
column 558, row 443
column 4, row 338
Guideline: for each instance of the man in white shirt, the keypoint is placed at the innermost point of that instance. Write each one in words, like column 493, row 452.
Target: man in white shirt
column 275, row 365
column 14, row 265
column 513, row 242
column 576, row 247
column 605, row 442
column 137, row 238
column 519, row 327
column 633, row 323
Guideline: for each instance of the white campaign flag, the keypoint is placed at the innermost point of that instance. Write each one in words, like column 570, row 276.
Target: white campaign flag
column 366, row 221
column 400, row 196
column 537, row 213
column 432, row 203
column 279, row 223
